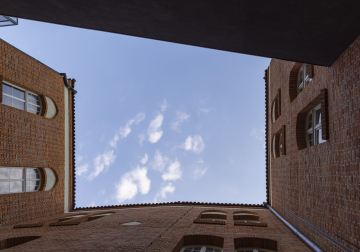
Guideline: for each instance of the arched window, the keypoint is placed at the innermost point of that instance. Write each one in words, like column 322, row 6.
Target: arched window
column 276, row 106
column 278, row 143
column 300, row 76
column 254, row 250
column 201, row 249
column 19, row 179
column 246, row 218
column 200, row 243
column 255, row 244
column 20, row 98
column 212, row 217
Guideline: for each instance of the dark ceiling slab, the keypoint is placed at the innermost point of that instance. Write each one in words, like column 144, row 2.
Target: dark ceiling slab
column 312, row 31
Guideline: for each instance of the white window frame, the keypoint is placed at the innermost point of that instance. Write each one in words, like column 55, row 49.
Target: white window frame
column 280, row 144
column 273, row 112
column 274, row 145
column 315, row 130
column 303, row 78
column 203, row 248
column 26, row 101
column 23, row 180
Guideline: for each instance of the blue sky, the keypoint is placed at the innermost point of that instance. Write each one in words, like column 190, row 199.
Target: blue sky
column 157, row 121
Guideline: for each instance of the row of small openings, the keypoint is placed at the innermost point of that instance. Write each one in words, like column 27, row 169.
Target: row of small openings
column 217, row 217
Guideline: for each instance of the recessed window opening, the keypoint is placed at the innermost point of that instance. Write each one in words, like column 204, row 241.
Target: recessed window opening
column 19, row 179
column 19, row 98
column 201, row 249
column 303, row 78
column 254, row 250
column 313, row 124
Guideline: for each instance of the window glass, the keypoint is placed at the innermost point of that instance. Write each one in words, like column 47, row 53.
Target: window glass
column 18, row 104
column 201, row 249
column 16, row 173
column 6, row 100
column 310, row 121
column 18, row 93
column 4, row 173
column 280, row 144
column 4, row 187
column 21, row 99
column 16, row 186
column 311, row 139
column 6, row 89
column 318, row 116
column 16, row 179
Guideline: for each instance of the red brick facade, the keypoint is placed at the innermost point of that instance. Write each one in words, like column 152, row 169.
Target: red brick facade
column 163, row 228
column 29, row 140
column 319, row 184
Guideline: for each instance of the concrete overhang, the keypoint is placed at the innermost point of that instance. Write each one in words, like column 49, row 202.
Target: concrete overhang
column 311, row 31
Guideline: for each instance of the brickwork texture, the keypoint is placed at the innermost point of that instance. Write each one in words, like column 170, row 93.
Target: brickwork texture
column 321, row 183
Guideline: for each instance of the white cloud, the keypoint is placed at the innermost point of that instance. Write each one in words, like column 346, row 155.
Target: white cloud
column 180, row 117
column 195, row 144
column 164, row 106
column 199, row 169
column 258, row 134
column 81, row 169
column 203, row 111
column 144, row 159
column 141, row 139
column 160, row 161
column 92, row 204
column 132, row 183
column 173, row 172
column 154, row 130
column 102, row 192
column 101, row 162
column 123, row 132
column 198, row 172
column 169, row 188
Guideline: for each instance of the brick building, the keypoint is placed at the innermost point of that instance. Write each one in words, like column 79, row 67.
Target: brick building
column 312, row 129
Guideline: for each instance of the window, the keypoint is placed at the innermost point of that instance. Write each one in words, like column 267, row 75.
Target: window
column 303, row 78
column 300, row 76
column 313, row 127
column 16, row 180
column 201, row 249
column 278, row 143
column 211, row 217
column 246, row 218
column 19, row 98
column 276, row 106
column 255, row 244
column 254, row 250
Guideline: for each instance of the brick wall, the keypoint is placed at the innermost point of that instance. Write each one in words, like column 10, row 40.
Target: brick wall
column 28, row 140
column 322, row 182
column 162, row 229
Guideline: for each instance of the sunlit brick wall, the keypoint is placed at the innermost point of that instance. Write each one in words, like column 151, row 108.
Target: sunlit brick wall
column 162, row 229
column 29, row 140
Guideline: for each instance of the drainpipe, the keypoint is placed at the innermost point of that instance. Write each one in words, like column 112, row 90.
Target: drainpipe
column 297, row 232
column 66, row 83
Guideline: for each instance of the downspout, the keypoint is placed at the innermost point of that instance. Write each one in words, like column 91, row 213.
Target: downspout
column 67, row 143
column 297, row 232
column 66, row 83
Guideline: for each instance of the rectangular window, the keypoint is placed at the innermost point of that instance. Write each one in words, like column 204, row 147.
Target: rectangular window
column 20, row 99
column 19, row 179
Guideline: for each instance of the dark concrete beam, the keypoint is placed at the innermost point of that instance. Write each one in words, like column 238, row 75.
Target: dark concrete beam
column 298, row 30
